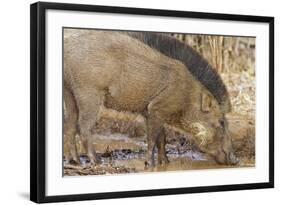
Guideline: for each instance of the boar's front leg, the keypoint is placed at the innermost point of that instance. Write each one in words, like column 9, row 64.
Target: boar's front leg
column 154, row 129
column 156, row 112
column 161, row 142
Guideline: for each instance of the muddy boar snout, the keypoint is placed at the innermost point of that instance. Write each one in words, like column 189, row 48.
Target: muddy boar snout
column 225, row 153
column 226, row 158
column 232, row 159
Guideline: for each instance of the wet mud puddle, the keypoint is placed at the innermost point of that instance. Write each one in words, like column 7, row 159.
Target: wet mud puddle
column 122, row 154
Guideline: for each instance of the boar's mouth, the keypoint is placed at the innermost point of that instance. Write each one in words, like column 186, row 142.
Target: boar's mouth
column 227, row 158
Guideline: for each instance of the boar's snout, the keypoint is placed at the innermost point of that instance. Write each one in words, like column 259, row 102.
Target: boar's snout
column 232, row 159
column 226, row 158
column 225, row 154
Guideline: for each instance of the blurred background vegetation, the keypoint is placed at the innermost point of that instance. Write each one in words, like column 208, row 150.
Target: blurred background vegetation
column 225, row 53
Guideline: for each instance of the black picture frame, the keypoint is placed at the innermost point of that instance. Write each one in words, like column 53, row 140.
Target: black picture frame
column 38, row 101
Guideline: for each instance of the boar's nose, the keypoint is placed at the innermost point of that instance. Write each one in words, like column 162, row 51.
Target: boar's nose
column 232, row 159
column 226, row 158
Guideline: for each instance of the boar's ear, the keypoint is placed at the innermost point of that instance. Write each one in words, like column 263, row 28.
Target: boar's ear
column 206, row 102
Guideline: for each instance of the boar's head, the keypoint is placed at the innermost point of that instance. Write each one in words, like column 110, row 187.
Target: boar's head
column 207, row 122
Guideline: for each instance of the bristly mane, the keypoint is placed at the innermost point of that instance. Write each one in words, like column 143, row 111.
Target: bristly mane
column 197, row 65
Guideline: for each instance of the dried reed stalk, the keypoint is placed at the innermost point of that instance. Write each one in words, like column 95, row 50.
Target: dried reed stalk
column 216, row 47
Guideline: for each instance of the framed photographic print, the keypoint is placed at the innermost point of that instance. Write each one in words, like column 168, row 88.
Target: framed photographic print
column 129, row 102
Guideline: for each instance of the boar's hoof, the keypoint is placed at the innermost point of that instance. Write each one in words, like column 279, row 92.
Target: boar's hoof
column 148, row 164
column 95, row 160
column 164, row 161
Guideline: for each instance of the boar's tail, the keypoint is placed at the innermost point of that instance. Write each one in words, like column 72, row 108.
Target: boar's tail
column 197, row 65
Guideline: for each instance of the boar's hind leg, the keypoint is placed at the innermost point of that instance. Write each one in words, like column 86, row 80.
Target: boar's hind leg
column 70, row 125
column 161, row 142
column 89, row 106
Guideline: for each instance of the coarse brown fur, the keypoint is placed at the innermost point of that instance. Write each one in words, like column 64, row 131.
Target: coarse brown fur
column 197, row 65
column 115, row 70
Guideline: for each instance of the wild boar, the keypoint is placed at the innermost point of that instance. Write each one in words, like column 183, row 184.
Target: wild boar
column 147, row 73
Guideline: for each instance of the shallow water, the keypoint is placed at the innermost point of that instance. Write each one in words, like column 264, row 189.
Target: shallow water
column 118, row 150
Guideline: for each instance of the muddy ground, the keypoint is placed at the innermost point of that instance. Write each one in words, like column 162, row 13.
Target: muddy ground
column 122, row 147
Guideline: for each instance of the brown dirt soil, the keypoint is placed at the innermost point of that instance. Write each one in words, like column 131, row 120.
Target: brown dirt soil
column 72, row 170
